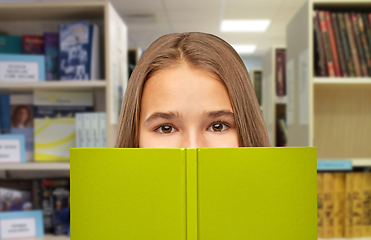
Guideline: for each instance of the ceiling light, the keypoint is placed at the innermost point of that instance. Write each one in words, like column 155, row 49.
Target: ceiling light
column 244, row 49
column 245, row 25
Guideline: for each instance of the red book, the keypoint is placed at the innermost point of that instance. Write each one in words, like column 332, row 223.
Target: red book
column 326, row 41
column 353, row 46
column 333, row 44
column 33, row 44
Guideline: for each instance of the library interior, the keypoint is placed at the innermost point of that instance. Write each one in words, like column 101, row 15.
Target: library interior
column 64, row 73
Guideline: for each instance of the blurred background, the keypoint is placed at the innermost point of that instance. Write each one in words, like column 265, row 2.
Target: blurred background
column 64, row 67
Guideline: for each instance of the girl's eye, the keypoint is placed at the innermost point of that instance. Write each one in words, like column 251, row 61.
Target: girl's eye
column 218, row 127
column 165, row 129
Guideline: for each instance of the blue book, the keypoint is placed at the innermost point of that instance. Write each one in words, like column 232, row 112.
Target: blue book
column 4, row 113
column 10, row 44
column 51, row 50
column 20, row 68
column 79, row 51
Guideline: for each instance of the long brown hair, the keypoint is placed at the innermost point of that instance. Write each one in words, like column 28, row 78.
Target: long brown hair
column 203, row 51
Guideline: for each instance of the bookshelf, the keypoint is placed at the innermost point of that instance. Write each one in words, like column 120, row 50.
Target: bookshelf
column 257, row 82
column 273, row 105
column 36, row 18
column 333, row 114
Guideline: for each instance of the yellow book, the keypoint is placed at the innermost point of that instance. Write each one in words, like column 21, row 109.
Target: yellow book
column 357, row 204
column 367, row 204
column 190, row 194
column 339, row 205
column 349, row 205
column 328, row 205
column 320, row 205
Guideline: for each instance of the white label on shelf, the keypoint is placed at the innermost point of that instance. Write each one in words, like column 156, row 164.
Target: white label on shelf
column 304, row 88
column 18, row 228
column 10, row 150
column 290, row 91
column 11, row 71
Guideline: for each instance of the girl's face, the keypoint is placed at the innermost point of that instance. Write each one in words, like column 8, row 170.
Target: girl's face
column 22, row 116
column 186, row 108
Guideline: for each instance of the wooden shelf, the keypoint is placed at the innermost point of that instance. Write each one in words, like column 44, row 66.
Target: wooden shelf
column 36, row 166
column 340, row 81
column 59, row 85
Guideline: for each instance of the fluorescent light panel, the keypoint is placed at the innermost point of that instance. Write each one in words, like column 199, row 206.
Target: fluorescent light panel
column 244, row 49
column 245, row 25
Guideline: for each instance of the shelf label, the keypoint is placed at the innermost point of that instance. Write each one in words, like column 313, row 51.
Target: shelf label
column 10, row 150
column 334, row 165
column 11, row 71
column 18, row 228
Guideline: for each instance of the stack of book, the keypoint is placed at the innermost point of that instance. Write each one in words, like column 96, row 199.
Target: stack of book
column 344, row 204
column 342, row 42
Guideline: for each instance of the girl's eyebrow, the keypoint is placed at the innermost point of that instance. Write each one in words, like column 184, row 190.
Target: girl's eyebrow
column 215, row 114
column 164, row 115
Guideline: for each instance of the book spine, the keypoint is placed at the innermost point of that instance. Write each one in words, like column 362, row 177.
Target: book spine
column 280, row 81
column 5, row 113
column 347, row 52
column 339, row 45
column 95, row 129
column 320, row 205
column 333, row 44
column 367, row 27
column 353, row 47
column 102, row 130
column 326, row 41
column 79, row 130
column 365, row 46
column 366, row 204
column 359, row 45
column 357, row 204
column 339, row 205
column 322, row 58
column 349, row 205
column 328, row 205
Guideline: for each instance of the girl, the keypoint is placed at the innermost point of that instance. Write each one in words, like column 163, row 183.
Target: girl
column 190, row 90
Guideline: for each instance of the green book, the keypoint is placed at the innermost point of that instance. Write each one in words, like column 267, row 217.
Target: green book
column 194, row 194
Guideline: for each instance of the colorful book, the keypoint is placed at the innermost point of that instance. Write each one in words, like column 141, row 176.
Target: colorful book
column 281, row 72
column 54, row 122
column 33, row 44
column 357, row 204
column 366, row 47
column 327, row 46
column 339, row 205
column 79, row 51
column 349, row 205
column 367, row 27
column 321, row 61
column 328, row 205
column 333, row 47
column 203, row 193
column 320, row 213
column 10, row 44
column 366, row 204
column 361, row 52
column 339, row 45
column 21, row 117
column 353, row 46
column 345, row 46
column 51, row 49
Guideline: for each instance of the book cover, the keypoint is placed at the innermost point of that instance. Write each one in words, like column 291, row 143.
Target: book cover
column 333, row 47
column 349, row 205
column 203, row 193
column 352, row 43
column 102, row 122
column 339, row 205
column 54, row 122
column 10, row 44
column 79, row 51
column 327, row 46
column 328, row 205
column 33, row 44
column 281, row 72
column 366, row 204
column 51, row 49
column 15, row 195
column 345, row 46
column 366, row 47
column 21, row 118
column 357, row 204
column 321, row 62
column 339, row 45
column 361, row 52
column 5, row 113
column 320, row 205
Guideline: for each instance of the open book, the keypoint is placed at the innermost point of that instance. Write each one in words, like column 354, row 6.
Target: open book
column 204, row 193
